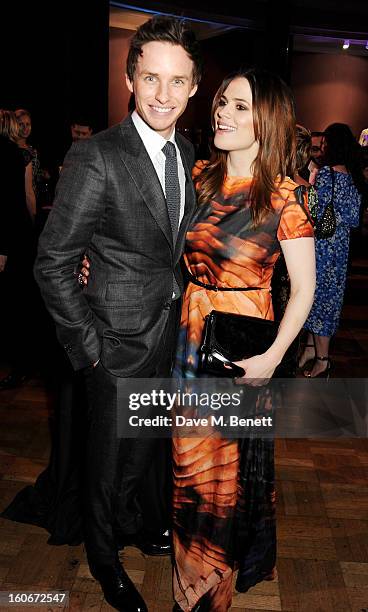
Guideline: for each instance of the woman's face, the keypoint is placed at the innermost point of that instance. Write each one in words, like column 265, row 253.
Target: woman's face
column 25, row 126
column 233, row 118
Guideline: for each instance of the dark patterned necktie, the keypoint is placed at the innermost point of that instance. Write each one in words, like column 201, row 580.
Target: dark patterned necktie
column 172, row 186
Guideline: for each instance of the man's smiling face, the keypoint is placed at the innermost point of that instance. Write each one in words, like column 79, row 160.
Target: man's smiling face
column 162, row 85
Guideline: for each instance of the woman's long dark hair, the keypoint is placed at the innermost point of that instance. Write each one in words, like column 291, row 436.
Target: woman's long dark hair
column 274, row 129
column 342, row 149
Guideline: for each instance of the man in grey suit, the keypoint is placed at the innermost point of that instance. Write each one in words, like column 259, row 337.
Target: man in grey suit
column 125, row 197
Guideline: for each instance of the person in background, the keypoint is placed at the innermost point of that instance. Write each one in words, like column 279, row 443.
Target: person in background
column 16, row 257
column 316, row 161
column 33, row 170
column 339, row 181
column 303, row 154
column 80, row 129
column 363, row 138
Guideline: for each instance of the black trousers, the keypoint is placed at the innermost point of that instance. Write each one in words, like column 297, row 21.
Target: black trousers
column 128, row 481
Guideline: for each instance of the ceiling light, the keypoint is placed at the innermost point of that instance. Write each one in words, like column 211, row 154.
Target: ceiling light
column 366, row 45
column 346, row 44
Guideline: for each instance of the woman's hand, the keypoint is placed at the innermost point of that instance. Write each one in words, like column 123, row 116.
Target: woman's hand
column 84, row 273
column 258, row 370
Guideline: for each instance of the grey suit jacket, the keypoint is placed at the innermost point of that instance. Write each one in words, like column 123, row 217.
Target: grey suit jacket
column 110, row 205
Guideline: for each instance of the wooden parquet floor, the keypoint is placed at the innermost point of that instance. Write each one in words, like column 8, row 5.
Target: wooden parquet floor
column 322, row 507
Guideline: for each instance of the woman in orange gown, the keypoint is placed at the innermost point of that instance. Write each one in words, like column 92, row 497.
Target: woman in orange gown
column 224, row 493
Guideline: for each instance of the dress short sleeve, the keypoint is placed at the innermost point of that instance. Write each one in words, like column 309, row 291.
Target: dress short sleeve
column 294, row 220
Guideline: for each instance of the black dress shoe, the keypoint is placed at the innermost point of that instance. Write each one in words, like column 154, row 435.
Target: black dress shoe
column 201, row 606
column 12, row 381
column 156, row 545
column 118, row 589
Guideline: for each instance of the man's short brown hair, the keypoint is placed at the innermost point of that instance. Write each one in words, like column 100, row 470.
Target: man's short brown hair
column 303, row 147
column 165, row 29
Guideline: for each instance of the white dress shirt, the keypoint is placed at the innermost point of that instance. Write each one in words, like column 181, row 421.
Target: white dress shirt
column 154, row 143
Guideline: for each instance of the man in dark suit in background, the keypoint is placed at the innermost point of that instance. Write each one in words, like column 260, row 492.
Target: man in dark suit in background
column 125, row 197
column 80, row 128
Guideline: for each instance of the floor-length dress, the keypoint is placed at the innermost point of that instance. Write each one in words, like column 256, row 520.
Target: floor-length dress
column 224, row 492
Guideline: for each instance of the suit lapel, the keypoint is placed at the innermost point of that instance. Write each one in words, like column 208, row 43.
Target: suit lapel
column 138, row 163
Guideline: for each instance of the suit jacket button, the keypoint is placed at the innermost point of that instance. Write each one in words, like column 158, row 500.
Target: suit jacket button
column 167, row 305
column 68, row 348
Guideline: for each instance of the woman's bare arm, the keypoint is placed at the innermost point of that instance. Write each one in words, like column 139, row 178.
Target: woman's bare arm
column 300, row 262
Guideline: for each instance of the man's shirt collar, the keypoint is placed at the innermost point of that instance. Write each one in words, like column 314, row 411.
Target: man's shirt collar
column 153, row 141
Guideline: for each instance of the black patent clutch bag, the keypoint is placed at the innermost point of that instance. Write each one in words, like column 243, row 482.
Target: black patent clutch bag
column 231, row 337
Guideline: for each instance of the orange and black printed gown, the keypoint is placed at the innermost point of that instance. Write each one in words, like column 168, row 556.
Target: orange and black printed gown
column 224, row 489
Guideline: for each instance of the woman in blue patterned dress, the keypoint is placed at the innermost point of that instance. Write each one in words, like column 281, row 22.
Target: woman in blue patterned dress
column 341, row 170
